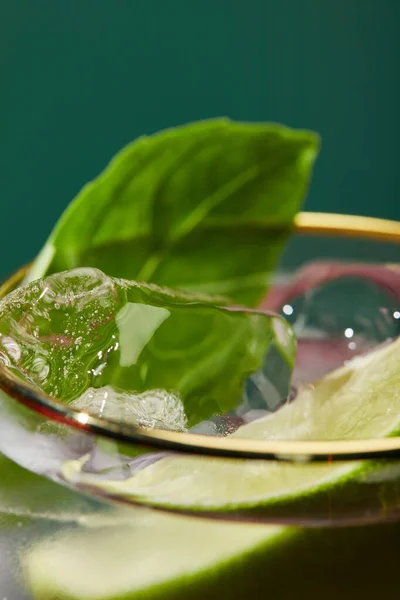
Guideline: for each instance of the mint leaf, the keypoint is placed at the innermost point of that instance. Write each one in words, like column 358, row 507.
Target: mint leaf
column 205, row 207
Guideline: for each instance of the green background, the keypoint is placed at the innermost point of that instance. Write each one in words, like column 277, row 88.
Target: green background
column 81, row 78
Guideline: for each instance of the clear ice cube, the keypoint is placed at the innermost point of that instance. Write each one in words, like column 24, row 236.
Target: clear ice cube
column 338, row 311
column 140, row 354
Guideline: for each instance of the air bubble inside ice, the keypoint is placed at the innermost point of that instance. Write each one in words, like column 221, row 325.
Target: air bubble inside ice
column 153, row 408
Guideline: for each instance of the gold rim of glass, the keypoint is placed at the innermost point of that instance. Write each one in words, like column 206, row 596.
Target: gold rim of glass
column 306, row 223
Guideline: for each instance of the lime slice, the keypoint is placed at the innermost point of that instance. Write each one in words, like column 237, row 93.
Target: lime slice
column 152, row 550
column 155, row 557
column 359, row 400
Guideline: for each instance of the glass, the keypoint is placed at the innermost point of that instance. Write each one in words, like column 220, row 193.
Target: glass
column 84, row 451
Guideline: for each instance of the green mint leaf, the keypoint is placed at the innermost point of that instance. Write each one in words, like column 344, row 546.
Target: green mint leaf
column 205, row 207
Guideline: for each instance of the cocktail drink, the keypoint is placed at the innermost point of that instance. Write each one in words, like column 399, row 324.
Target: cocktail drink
column 150, row 357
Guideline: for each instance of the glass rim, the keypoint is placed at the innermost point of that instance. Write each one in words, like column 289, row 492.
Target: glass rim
column 306, row 223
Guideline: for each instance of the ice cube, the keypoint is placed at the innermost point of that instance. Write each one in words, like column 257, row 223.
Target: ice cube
column 338, row 311
column 164, row 358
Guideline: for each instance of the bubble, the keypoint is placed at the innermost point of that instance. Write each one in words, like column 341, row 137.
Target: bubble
column 153, row 408
column 11, row 347
column 146, row 423
column 287, row 309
